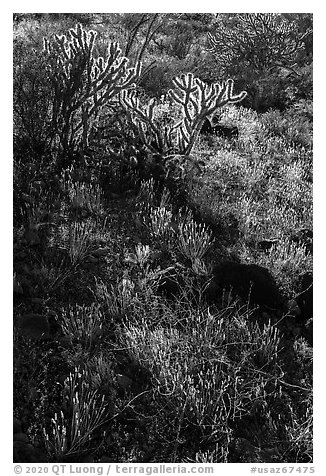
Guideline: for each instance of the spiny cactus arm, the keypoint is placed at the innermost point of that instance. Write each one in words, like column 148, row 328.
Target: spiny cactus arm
column 171, row 132
column 184, row 94
column 83, row 38
column 145, row 114
column 129, row 100
column 156, row 138
column 183, row 139
column 229, row 96
column 73, row 58
column 133, row 74
column 110, row 74
column 217, row 95
column 199, row 100
column 142, row 131
column 185, row 83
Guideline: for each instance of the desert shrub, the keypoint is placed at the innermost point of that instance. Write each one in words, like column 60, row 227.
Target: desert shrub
column 184, row 357
column 82, row 325
column 295, row 128
column 159, row 79
column 265, row 48
column 72, row 431
column 79, row 241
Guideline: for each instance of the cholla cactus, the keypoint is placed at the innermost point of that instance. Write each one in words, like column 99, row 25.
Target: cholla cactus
column 196, row 99
column 83, row 84
column 157, row 138
column 199, row 100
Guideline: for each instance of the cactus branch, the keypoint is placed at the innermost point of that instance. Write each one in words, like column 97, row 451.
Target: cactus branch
column 198, row 101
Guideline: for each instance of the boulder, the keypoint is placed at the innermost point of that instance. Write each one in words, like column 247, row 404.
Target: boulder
column 249, row 281
column 34, row 326
column 228, row 132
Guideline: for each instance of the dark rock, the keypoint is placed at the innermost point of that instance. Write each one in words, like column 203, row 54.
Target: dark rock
column 124, row 383
column 170, row 285
column 248, row 281
column 21, row 437
column 266, row 245
column 91, row 259
column 32, row 237
column 304, row 298
column 17, row 426
column 228, row 132
column 100, row 252
column 36, row 300
column 27, row 453
column 87, row 459
column 34, row 326
column 107, row 459
column 207, row 127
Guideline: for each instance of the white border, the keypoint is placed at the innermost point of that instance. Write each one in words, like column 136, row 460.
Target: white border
column 317, row 8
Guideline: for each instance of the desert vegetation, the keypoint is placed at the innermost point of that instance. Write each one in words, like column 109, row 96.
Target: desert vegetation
column 162, row 238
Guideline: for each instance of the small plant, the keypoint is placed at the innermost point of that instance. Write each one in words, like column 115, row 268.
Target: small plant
column 100, row 372
column 194, row 240
column 212, row 370
column 84, row 196
column 300, row 432
column 160, row 219
column 108, row 298
column 79, row 241
column 51, row 277
column 87, row 411
column 125, row 291
column 83, row 325
column 140, row 257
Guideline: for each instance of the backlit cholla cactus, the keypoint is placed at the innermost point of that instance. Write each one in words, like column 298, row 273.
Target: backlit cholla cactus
column 83, row 84
column 157, row 138
column 196, row 99
column 199, row 100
